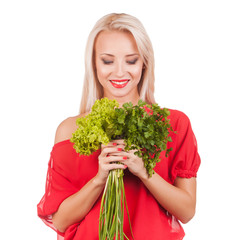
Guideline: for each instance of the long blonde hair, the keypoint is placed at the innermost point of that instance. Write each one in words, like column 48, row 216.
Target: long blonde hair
column 92, row 89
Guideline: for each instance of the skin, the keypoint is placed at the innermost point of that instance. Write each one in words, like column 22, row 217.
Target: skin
column 115, row 59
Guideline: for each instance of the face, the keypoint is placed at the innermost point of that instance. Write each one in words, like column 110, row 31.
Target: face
column 118, row 65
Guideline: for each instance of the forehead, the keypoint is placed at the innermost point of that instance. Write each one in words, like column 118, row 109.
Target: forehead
column 115, row 42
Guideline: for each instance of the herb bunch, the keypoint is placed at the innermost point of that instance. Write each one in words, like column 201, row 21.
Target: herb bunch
column 144, row 128
column 96, row 128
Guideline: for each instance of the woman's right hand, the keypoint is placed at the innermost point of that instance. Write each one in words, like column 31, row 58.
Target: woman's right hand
column 110, row 154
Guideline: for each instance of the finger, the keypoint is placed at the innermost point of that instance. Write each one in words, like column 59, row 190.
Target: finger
column 114, row 159
column 133, row 151
column 119, row 153
column 119, row 141
column 110, row 144
column 115, row 166
column 111, row 150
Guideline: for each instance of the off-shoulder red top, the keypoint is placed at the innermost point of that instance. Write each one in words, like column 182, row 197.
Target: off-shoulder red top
column 68, row 173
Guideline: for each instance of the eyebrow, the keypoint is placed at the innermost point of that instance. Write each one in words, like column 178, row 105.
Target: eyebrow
column 111, row 55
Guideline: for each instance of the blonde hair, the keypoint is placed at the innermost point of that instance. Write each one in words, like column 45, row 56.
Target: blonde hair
column 92, row 89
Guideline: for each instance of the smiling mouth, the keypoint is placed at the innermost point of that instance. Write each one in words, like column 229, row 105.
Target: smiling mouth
column 119, row 83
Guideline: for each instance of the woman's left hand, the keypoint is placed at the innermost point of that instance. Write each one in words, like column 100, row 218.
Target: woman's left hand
column 133, row 162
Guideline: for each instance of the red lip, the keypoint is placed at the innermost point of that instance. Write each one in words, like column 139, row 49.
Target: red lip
column 116, row 80
column 119, row 85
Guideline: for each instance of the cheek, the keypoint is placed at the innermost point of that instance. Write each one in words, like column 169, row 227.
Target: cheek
column 137, row 72
column 102, row 71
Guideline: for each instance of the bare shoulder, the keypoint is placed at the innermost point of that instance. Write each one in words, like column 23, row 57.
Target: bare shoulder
column 66, row 128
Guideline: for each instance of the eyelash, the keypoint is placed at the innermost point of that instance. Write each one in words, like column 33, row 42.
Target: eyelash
column 107, row 62
column 132, row 62
column 129, row 62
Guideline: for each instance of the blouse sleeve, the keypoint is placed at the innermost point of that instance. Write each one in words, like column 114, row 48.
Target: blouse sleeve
column 185, row 157
column 58, row 187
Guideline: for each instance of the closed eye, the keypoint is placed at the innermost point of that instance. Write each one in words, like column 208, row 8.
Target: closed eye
column 132, row 61
column 107, row 62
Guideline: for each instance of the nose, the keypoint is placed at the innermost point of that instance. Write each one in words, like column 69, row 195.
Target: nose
column 119, row 69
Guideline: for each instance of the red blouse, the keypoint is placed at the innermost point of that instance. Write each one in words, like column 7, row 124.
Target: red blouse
column 68, row 173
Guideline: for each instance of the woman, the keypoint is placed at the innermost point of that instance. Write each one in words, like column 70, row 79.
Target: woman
column 120, row 65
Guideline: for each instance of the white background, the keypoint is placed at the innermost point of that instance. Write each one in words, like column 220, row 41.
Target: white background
column 197, row 54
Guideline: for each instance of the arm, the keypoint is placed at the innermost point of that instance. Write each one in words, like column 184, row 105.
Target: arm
column 178, row 199
column 74, row 208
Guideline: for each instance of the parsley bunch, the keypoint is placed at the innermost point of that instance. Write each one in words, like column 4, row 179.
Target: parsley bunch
column 146, row 129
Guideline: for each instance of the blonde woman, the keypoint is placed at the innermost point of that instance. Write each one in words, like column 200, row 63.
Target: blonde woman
column 119, row 65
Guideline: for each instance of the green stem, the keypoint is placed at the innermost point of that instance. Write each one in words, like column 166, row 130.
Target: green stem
column 112, row 208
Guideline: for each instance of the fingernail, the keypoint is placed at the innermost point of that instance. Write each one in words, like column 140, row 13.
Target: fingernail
column 119, row 149
column 114, row 144
column 125, row 166
column 125, row 157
